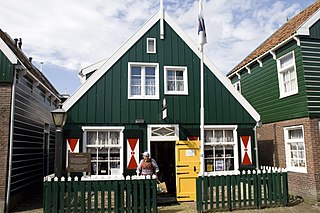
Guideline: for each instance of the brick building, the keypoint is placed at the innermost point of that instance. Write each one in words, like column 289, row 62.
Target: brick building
column 26, row 127
column 280, row 79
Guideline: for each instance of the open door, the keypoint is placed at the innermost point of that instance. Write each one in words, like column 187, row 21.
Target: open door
column 187, row 169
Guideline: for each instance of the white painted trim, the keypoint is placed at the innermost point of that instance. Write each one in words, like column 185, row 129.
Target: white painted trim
column 260, row 62
column 248, row 69
column 287, row 150
column 185, row 80
column 143, row 96
column 154, row 45
column 235, row 137
column 117, row 128
column 297, row 39
column 8, row 52
column 273, row 53
column 191, row 44
column 160, row 139
column 304, row 29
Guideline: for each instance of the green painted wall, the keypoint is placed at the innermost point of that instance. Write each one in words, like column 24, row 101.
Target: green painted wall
column 106, row 102
column 6, row 69
column 315, row 30
column 311, row 53
column 261, row 88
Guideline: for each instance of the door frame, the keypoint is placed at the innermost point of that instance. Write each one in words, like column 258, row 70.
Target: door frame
column 161, row 138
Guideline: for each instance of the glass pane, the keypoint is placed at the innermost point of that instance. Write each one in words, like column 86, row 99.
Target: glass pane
column 218, row 135
column 286, row 60
column 135, row 90
column 219, row 165
column 293, row 146
column 229, row 165
column 228, row 136
column 103, row 138
column 135, row 71
column 208, row 135
column 151, row 45
column 300, row 146
column 219, row 151
column 301, row 154
column 229, row 151
column 208, row 165
column 179, row 75
column 171, row 86
column 114, row 138
column 208, row 151
column 180, row 86
column 295, row 134
column 91, row 138
column 170, row 75
column 150, row 71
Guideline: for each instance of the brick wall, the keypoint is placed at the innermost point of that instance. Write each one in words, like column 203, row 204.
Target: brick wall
column 5, row 106
column 306, row 185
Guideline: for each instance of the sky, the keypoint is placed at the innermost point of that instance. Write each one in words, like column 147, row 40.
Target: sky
column 67, row 35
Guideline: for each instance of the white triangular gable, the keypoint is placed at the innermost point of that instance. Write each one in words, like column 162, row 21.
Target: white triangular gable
column 131, row 41
column 304, row 29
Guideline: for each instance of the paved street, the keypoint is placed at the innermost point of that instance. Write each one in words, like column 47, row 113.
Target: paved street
column 35, row 206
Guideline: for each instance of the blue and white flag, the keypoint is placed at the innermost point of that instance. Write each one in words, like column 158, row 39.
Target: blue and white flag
column 202, row 36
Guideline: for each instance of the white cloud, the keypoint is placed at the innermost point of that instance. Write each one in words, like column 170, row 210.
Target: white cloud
column 73, row 34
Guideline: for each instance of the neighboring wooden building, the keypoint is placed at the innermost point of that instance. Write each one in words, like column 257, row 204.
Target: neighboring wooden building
column 120, row 110
column 281, row 79
column 27, row 132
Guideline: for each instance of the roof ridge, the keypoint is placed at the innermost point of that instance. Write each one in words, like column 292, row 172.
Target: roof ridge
column 280, row 35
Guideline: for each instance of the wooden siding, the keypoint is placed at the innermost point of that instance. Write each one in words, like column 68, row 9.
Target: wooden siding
column 261, row 88
column 31, row 113
column 6, row 69
column 315, row 30
column 311, row 63
column 106, row 102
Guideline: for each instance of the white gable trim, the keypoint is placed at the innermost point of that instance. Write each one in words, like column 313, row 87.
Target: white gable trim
column 124, row 48
column 304, row 29
column 8, row 52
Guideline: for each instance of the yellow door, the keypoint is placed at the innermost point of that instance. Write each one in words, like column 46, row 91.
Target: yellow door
column 188, row 167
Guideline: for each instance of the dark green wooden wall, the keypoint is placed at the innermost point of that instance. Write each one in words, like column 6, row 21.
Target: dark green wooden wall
column 310, row 48
column 106, row 102
column 261, row 88
column 6, row 69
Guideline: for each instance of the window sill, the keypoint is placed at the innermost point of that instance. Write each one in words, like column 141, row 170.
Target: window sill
column 297, row 170
column 288, row 94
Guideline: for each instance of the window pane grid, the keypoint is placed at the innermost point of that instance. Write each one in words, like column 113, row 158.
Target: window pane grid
column 176, row 79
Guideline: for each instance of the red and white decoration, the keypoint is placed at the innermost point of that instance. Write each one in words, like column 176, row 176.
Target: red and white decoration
column 132, row 153
column 72, row 146
column 246, row 150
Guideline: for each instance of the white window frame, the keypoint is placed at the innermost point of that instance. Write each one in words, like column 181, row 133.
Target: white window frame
column 234, row 143
column 281, row 70
column 185, row 80
column 237, row 85
column 154, row 45
column 287, row 142
column 143, row 96
column 105, row 128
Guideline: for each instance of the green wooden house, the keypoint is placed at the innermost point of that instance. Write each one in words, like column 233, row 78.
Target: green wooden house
column 27, row 131
column 281, row 80
column 146, row 96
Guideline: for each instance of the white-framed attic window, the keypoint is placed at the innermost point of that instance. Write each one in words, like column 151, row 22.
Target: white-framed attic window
column 151, row 45
column 143, row 80
column 175, row 80
column 295, row 149
column 287, row 75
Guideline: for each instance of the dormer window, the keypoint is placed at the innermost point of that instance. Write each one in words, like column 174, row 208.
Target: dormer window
column 287, row 75
column 151, row 45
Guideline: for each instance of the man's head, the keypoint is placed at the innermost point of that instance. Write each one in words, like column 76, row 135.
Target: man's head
column 145, row 155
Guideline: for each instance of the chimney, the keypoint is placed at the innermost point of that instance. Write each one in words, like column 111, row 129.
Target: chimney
column 20, row 43
column 16, row 42
column 30, row 59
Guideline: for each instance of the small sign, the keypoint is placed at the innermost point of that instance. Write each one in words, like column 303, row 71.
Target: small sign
column 190, row 152
column 79, row 162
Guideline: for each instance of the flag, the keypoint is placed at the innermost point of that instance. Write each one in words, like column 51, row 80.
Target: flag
column 202, row 37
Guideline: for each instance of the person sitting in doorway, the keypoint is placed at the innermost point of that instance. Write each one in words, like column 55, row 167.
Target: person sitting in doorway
column 147, row 165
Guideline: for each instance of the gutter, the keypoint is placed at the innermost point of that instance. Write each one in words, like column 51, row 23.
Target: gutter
column 13, row 91
column 273, row 49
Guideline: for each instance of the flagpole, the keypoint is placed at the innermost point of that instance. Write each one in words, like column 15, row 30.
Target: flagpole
column 201, row 114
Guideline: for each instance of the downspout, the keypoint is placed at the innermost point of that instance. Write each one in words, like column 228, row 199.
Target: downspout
column 256, row 143
column 13, row 91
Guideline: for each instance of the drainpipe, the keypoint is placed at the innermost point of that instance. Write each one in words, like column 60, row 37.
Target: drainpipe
column 10, row 141
column 256, row 143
